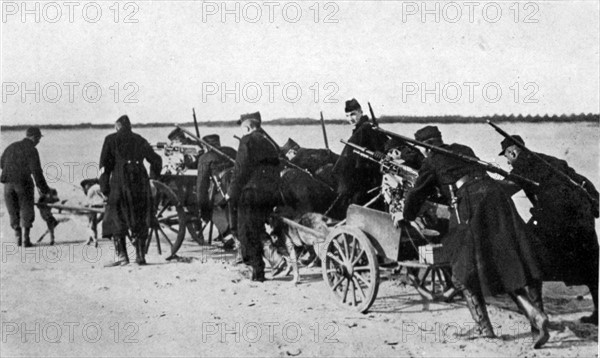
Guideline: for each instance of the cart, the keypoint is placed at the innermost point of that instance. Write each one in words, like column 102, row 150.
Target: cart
column 176, row 213
column 353, row 256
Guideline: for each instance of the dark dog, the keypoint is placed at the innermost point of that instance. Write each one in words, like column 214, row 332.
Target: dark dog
column 308, row 231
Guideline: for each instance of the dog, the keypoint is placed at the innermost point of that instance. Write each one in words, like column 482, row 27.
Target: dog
column 94, row 199
column 294, row 234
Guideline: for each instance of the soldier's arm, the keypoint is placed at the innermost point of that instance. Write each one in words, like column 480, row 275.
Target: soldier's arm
column 106, row 164
column 33, row 159
column 203, row 183
column 154, row 159
column 107, row 160
column 2, row 160
column 240, row 174
column 424, row 187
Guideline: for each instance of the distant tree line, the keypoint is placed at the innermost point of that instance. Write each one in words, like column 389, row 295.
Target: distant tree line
column 593, row 118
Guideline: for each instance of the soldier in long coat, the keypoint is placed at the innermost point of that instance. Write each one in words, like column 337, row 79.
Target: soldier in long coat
column 255, row 189
column 125, row 183
column 562, row 217
column 491, row 252
column 210, row 166
column 357, row 175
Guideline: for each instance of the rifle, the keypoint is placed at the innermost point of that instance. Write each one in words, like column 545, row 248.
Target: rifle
column 196, row 123
column 560, row 173
column 373, row 115
column 487, row 166
column 297, row 167
column 387, row 163
column 324, row 131
column 210, row 146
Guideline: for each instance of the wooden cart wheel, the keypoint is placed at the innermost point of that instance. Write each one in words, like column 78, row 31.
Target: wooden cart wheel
column 169, row 218
column 350, row 268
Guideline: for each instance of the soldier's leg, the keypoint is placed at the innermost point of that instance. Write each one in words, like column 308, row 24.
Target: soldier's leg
column 26, row 200
column 593, row 286
column 592, row 276
column 248, row 232
column 121, row 258
column 538, row 319
column 139, row 244
column 11, row 200
column 476, row 305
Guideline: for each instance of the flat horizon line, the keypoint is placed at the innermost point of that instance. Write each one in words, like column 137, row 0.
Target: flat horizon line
column 571, row 118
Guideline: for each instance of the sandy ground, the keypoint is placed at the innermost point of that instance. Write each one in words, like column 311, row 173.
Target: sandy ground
column 60, row 301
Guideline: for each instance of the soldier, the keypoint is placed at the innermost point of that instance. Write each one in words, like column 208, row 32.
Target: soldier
column 19, row 162
column 488, row 244
column 255, row 190
column 307, row 158
column 125, row 183
column 210, row 166
column 562, row 217
column 357, row 175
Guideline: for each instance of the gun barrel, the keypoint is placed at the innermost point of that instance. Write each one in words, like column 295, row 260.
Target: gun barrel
column 487, row 166
column 215, row 149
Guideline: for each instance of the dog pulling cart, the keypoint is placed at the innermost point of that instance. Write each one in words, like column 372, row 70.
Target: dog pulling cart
column 355, row 254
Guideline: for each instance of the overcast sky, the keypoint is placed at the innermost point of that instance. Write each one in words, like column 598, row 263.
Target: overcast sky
column 157, row 60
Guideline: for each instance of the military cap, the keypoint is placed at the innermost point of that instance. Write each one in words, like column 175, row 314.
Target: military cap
column 352, row 105
column 290, row 144
column 124, row 121
column 255, row 116
column 507, row 142
column 428, row 132
column 33, row 132
column 212, row 139
column 176, row 133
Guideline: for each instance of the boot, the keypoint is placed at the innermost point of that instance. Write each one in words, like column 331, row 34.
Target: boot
column 26, row 239
column 535, row 316
column 593, row 319
column 120, row 253
column 476, row 305
column 19, row 236
column 140, row 258
column 534, row 292
column 239, row 258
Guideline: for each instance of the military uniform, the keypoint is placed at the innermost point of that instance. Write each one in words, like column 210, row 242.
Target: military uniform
column 357, row 175
column 490, row 250
column 19, row 162
column 255, row 190
column 210, row 164
column 127, row 188
column 563, row 218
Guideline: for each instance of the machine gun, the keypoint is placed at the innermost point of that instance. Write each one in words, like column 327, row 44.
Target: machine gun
column 185, row 149
column 485, row 165
column 210, row 146
column 388, row 164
